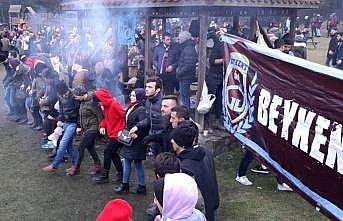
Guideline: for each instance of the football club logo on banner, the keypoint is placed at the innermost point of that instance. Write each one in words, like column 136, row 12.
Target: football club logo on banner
column 238, row 94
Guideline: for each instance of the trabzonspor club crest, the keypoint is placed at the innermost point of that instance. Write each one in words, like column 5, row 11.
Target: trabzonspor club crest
column 238, row 94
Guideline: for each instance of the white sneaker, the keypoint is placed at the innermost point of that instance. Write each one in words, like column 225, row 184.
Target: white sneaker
column 284, row 187
column 244, row 180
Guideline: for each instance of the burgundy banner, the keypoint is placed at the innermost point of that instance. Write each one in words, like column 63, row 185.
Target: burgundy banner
column 289, row 112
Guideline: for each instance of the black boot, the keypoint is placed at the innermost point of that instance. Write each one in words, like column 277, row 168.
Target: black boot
column 119, row 177
column 102, row 178
column 141, row 190
column 123, row 188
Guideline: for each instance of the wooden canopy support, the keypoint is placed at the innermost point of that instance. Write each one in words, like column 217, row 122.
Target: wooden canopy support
column 148, row 52
column 293, row 17
column 253, row 24
column 202, row 57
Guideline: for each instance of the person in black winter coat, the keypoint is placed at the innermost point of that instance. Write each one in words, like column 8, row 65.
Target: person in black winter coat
column 186, row 70
column 332, row 50
column 340, row 52
column 197, row 162
column 168, row 103
column 165, row 59
column 90, row 116
column 214, row 80
column 153, row 117
column 136, row 152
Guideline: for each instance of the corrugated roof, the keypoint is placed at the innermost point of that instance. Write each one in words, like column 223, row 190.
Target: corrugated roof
column 88, row 4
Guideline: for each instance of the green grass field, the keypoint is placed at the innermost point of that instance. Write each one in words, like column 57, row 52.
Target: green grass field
column 261, row 201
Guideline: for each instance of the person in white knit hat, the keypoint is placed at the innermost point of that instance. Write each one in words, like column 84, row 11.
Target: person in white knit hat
column 186, row 70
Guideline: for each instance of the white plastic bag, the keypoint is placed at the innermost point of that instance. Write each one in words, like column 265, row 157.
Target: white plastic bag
column 206, row 100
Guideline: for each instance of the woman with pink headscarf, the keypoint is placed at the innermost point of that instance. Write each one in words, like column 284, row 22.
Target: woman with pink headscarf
column 176, row 196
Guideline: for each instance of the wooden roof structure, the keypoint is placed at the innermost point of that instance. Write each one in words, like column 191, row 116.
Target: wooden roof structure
column 203, row 9
column 90, row 4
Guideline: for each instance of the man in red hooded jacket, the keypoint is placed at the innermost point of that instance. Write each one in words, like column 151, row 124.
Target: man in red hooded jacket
column 111, row 125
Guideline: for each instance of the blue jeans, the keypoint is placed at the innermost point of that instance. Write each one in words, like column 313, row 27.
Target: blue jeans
column 139, row 170
column 185, row 89
column 66, row 144
column 10, row 97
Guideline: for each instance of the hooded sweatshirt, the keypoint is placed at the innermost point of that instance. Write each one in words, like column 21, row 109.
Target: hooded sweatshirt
column 114, row 114
column 180, row 195
column 198, row 162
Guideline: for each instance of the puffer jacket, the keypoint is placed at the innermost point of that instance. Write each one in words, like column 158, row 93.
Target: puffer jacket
column 153, row 117
column 186, row 69
column 90, row 115
column 69, row 108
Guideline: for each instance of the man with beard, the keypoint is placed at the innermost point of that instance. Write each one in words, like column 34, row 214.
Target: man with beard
column 153, row 112
column 168, row 103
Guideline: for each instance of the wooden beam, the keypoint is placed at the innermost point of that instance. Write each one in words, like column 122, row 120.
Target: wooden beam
column 164, row 25
column 235, row 25
column 199, row 118
column 147, row 53
column 293, row 18
column 253, row 25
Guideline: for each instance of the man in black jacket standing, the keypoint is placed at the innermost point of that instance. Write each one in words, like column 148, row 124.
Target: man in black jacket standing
column 153, row 119
column 197, row 162
column 332, row 50
column 165, row 62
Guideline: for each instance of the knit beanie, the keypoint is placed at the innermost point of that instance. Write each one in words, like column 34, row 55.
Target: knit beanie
column 116, row 210
column 158, row 190
column 184, row 135
column 184, row 36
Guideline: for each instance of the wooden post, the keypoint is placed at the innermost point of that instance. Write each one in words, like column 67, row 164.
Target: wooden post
column 199, row 118
column 164, row 25
column 293, row 17
column 235, row 21
column 147, row 53
column 253, row 24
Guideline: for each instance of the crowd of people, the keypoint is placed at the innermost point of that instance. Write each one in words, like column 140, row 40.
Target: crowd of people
column 63, row 85
column 85, row 101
